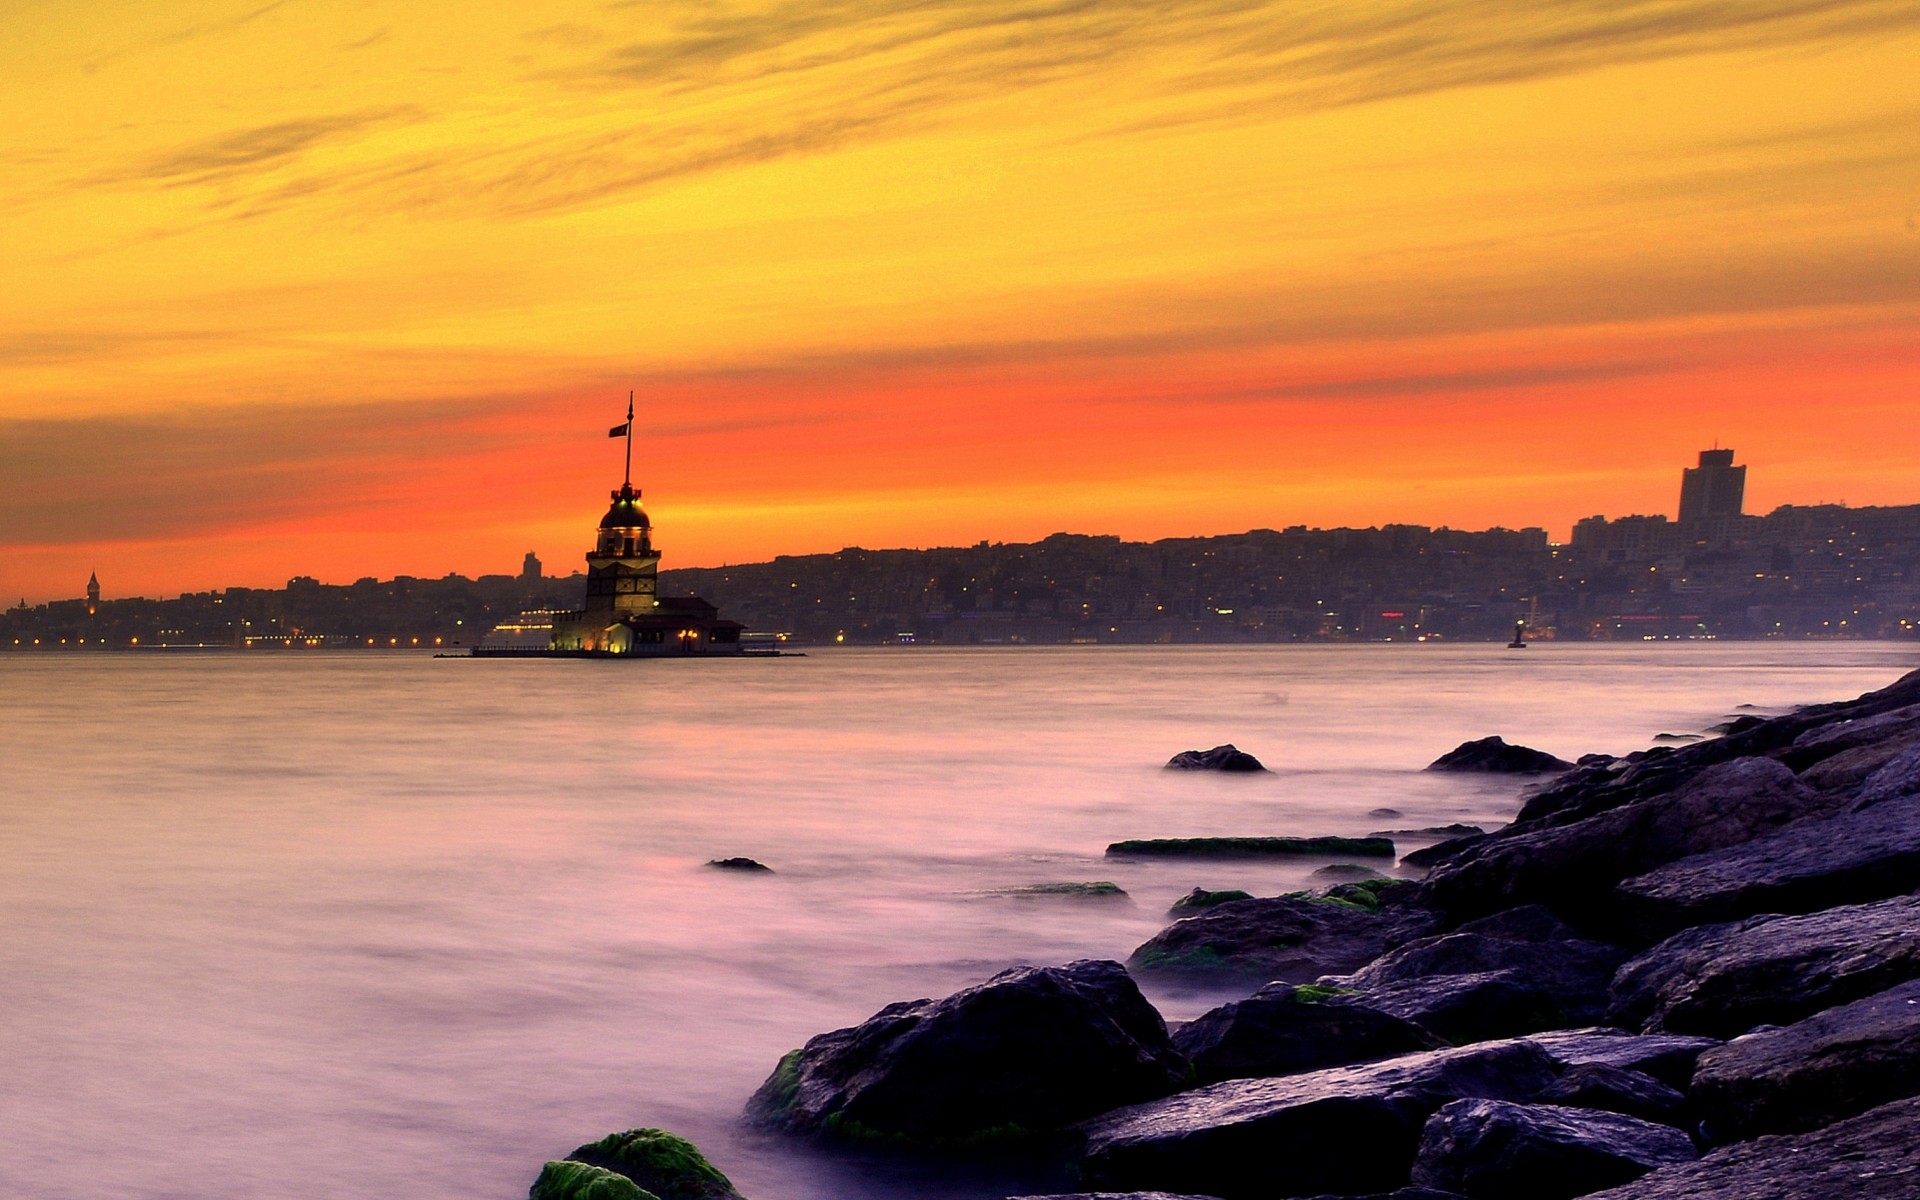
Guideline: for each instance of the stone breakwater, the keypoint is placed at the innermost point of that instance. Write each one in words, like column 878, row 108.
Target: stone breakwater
column 1688, row 972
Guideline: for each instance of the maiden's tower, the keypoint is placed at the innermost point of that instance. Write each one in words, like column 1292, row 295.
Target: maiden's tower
column 623, row 613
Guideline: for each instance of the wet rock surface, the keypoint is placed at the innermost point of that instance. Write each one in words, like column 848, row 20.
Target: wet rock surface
column 1874, row 1156
column 1028, row 1051
column 1346, row 1129
column 1281, row 1029
column 1529, row 946
column 1459, row 1009
column 1573, row 868
column 1290, row 938
column 1803, row 867
column 1498, row 1150
column 1722, row 980
column 1220, row 758
column 1494, row 755
column 1813, row 1072
column 1614, row 1089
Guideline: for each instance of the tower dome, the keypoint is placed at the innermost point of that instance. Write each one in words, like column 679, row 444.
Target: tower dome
column 626, row 512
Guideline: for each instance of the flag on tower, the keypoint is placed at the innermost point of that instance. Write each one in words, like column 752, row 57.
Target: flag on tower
column 620, row 430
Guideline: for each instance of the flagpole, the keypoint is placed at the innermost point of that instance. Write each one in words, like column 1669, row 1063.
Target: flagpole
column 629, row 479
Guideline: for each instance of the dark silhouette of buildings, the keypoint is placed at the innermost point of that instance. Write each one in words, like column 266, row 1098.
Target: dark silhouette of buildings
column 530, row 567
column 1800, row 571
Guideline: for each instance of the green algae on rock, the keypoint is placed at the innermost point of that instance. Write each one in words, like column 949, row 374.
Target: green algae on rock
column 661, row 1164
column 563, row 1179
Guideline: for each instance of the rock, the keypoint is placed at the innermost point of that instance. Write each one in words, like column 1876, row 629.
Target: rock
column 564, row 1180
column 659, row 1163
column 1829, row 740
column 1572, row 868
column 1405, row 1193
column 1097, row 890
column 1849, row 770
column 1024, row 1053
column 1384, row 812
column 1723, row 980
column 1831, row 1065
column 1281, row 1029
column 1220, row 758
column 1498, row 1150
column 1494, row 755
column 1254, row 847
column 1668, row 1058
column 1114, row 1196
column 1612, row 1089
column 1803, row 867
column 1342, row 1130
column 1200, row 898
column 739, row 864
column 1439, row 852
column 1460, row 1009
column 1289, row 938
column 1647, row 774
column 1873, row 1156
column 1573, row 972
column 1899, row 778
column 1455, row 830
column 1347, row 871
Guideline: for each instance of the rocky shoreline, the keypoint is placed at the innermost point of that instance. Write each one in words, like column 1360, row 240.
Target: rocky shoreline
column 1689, row 971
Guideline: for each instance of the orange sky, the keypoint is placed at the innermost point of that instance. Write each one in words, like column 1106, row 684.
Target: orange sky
column 355, row 288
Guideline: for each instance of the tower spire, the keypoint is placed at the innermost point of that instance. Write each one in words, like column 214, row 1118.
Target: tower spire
column 627, row 482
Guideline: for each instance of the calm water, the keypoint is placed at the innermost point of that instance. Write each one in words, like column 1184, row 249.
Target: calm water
column 346, row 927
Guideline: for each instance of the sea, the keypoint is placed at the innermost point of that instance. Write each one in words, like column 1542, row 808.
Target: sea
column 356, row 926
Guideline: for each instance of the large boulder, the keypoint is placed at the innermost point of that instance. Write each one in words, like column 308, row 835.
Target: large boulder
column 1803, row 867
column 1026, row 1052
column 1722, row 980
column 1572, row 868
column 1614, row 1089
column 1220, row 758
column 1498, row 1150
column 1669, row 1058
column 1494, row 755
column 1344, row 1130
column 1281, row 1029
column 1290, row 938
column 1873, row 1156
column 1529, row 942
column 1459, row 1009
column 1831, row 1065
column 1898, row 778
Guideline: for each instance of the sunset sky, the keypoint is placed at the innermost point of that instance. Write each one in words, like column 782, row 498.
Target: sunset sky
column 356, row 287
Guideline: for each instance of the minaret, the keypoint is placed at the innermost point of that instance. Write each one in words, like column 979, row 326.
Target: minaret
column 93, row 593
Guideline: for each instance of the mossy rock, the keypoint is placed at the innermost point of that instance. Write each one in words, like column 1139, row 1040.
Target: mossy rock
column 666, row 1165
column 1096, row 890
column 1314, row 993
column 1353, row 872
column 1200, row 898
column 566, row 1180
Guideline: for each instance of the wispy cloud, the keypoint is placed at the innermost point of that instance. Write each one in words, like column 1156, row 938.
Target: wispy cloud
column 259, row 148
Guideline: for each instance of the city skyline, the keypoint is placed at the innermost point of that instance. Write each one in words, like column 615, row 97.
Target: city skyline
column 352, row 292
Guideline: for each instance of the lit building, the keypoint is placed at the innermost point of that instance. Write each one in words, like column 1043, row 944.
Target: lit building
column 93, row 593
column 1715, row 488
column 623, row 612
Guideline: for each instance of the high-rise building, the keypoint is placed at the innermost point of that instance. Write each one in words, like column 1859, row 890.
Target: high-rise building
column 530, row 566
column 93, row 593
column 1715, row 488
